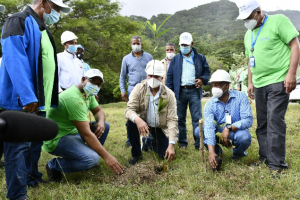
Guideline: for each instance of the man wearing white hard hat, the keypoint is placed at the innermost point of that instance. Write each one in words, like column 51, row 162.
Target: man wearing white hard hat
column 272, row 46
column 76, row 144
column 187, row 73
column 152, row 109
column 229, row 113
column 70, row 69
column 29, row 75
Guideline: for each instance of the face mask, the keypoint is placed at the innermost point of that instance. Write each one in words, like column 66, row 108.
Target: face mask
column 185, row 50
column 90, row 89
column 250, row 24
column 153, row 82
column 72, row 48
column 136, row 48
column 51, row 18
column 217, row 92
column 79, row 55
column 170, row 55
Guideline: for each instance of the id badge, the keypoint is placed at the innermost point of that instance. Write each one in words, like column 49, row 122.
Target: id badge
column 252, row 61
column 228, row 118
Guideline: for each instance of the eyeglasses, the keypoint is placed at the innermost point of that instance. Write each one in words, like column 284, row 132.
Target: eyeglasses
column 94, row 82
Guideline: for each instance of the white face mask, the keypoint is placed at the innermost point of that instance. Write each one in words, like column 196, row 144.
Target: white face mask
column 170, row 55
column 250, row 24
column 153, row 82
column 217, row 92
column 136, row 48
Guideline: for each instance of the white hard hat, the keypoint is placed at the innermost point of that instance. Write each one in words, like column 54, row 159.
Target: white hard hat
column 246, row 7
column 155, row 67
column 2, row 8
column 94, row 73
column 220, row 76
column 64, row 7
column 67, row 36
column 185, row 38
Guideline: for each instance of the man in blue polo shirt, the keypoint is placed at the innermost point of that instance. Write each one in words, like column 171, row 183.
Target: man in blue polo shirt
column 133, row 65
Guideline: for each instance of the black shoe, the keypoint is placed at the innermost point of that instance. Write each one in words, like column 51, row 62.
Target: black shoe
column 37, row 184
column 219, row 162
column 197, row 148
column 144, row 148
column 127, row 145
column 258, row 163
column 53, row 174
column 135, row 160
column 275, row 173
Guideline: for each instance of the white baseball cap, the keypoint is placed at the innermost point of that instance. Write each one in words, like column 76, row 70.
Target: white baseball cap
column 185, row 38
column 246, row 7
column 64, row 7
column 155, row 67
column 94, row 73
column 2, row 8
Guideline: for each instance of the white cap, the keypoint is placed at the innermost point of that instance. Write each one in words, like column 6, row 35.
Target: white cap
column 67, row 36
column 155, row 67
column 94, row 73
column 246, row 7
column 185, row 38
column 2, row 8
column 64, row 7
column 220, row 76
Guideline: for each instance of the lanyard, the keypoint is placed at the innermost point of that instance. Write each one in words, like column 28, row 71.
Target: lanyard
column 191, row 62
column 253, row 42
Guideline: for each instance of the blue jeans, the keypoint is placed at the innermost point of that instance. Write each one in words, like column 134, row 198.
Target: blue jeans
column 74, row 154
column 21, row 166
column 241, row 139
column 187, row 97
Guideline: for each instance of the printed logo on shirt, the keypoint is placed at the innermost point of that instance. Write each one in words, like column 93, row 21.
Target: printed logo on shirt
column 264, row 39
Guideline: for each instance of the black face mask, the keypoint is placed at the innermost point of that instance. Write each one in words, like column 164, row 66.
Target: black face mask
column 79, row 55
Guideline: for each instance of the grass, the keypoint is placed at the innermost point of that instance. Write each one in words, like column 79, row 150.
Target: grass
column 187, row 177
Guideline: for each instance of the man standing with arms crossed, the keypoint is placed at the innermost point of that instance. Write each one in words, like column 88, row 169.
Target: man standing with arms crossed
column 133, row 65
column 272, row 46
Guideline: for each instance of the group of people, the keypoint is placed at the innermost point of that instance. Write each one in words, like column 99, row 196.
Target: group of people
column 62, row 87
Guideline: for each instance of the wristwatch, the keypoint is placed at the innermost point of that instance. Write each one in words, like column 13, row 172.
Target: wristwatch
column 229, row 126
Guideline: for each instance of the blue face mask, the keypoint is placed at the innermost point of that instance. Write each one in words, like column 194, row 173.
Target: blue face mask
column 185, row 50
column 72, row 48
column 51, row 18
column 90, row 89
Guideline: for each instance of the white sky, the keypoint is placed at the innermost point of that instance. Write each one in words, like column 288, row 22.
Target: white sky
column 148, row 8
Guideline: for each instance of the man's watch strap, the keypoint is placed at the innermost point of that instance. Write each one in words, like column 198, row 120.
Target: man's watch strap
column 229, row 126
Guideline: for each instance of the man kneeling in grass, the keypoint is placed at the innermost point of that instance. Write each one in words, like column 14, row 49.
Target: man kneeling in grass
column 152, row 109
column 229, row 113
column 76, row 145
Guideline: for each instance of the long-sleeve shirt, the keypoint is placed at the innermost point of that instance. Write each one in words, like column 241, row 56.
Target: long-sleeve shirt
column 135, row 69
column 237, row 106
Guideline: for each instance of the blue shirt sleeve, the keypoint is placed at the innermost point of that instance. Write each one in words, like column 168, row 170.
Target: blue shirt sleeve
column 209, row 125
column 206, row 71
column 123, row 75
column 169, row 76
column 245, row 114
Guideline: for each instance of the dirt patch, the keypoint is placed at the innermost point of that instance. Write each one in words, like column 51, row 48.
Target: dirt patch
column 145, row 172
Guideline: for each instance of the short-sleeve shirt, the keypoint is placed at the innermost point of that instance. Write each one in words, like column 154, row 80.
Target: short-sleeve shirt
column 73, row 106
column 271, row 51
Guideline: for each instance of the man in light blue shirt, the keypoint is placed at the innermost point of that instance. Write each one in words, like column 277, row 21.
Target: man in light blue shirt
column 133, row 65
column 152, row 109
column 229, row 113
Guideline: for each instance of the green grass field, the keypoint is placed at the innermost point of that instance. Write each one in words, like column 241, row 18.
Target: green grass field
column 187, row 177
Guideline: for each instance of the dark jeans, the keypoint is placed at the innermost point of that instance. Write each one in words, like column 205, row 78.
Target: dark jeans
column 159, row 147
column 21, row 166
column 189, row 97
column 127, row 140
column 271, row 105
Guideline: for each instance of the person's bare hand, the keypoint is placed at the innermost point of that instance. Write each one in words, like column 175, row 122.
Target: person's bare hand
column 250, row 90
column 142, row 126
column 170, row 153
column 225, row 135
column 32, row 108
column 198, row 83
column 100, row 129
column 290, row 83
column 114, row 165
column 124, row 96
column 212, row 160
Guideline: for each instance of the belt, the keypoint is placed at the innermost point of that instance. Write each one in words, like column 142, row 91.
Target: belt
column 188, row 86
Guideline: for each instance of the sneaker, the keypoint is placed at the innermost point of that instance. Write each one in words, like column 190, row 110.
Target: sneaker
column 135, row 160
column 144, row 147
column 127, row 145
column 37, row 184
column 53, row 174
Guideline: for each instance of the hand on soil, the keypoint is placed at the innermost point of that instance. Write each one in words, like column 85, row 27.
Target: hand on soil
column 114, row 165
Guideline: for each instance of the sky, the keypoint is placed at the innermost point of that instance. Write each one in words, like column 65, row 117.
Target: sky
column 148, row 8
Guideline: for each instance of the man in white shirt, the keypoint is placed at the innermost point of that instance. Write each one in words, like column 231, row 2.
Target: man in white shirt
column 70, row 69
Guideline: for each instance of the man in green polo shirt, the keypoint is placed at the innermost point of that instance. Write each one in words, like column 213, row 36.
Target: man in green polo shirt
column 74, row 130
column 272, row 46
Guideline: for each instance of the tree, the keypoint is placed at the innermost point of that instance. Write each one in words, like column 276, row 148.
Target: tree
column 237, row 69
